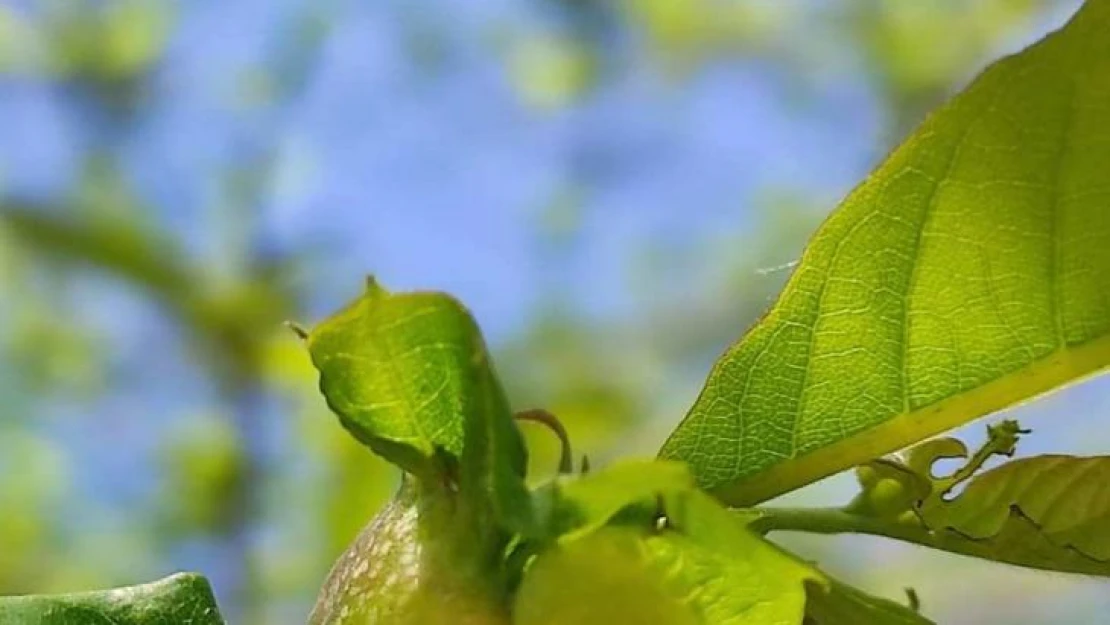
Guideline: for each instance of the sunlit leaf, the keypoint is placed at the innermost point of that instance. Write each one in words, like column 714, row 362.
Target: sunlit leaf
column 685, row 559
column 581, row 505
column 409, row 376
column 181, row 598
column 969, row 272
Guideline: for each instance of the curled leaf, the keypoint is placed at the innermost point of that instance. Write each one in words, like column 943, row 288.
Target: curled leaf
column 409, row 375
column 1049, row 512
column 1066, row 499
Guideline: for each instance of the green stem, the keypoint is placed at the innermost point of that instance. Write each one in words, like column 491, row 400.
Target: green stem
column 541, row 416
column 907, row 529
column 840, row 521
column 1001, row 440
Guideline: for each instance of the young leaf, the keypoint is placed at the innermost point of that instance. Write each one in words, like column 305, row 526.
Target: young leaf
column 1045, row 512
column 969, row 272
column 657, row 550
column 576, row 506
column 1064, row 499
column 841, row 604
column 735, row 569
column 409, row 375
column 181, row 598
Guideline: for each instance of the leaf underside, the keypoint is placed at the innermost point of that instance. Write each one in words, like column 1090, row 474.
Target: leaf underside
column 181, row 598
column 969, row 272
column 1051, row 512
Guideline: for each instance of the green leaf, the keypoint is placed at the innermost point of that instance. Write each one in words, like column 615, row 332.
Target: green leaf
column 841, row 604
column 409, row 376
column 1050, row 512
column 413, row 564
column 1045, row 512
column 969, row 272
column 667, row 553
column 893, row 488
column 576, row 506
column 180, row 598
column 724, row 557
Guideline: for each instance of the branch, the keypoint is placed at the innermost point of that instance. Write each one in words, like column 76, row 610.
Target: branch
column 840, row 521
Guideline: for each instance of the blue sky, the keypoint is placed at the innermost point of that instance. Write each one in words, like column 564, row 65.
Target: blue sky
column 433, row 175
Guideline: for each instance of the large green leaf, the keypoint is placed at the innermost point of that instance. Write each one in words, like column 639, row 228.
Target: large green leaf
column 181, row 598
column 969, row 272
column 647, row 547
column 409, row 375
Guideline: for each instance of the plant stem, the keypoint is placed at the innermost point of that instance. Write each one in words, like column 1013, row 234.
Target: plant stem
column 839, row 521
column 907, row 529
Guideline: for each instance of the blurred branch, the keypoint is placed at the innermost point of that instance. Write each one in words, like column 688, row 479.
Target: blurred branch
column 231, row 322
column 135, row 256
column 231, row 325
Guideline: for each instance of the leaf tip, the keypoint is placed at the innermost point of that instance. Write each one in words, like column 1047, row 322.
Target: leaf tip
column 374, row 288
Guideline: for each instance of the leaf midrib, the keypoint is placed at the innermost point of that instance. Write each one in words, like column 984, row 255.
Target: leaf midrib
column 1062, row 367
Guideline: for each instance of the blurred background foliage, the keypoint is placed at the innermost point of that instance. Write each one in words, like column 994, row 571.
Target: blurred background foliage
column 617, row 187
